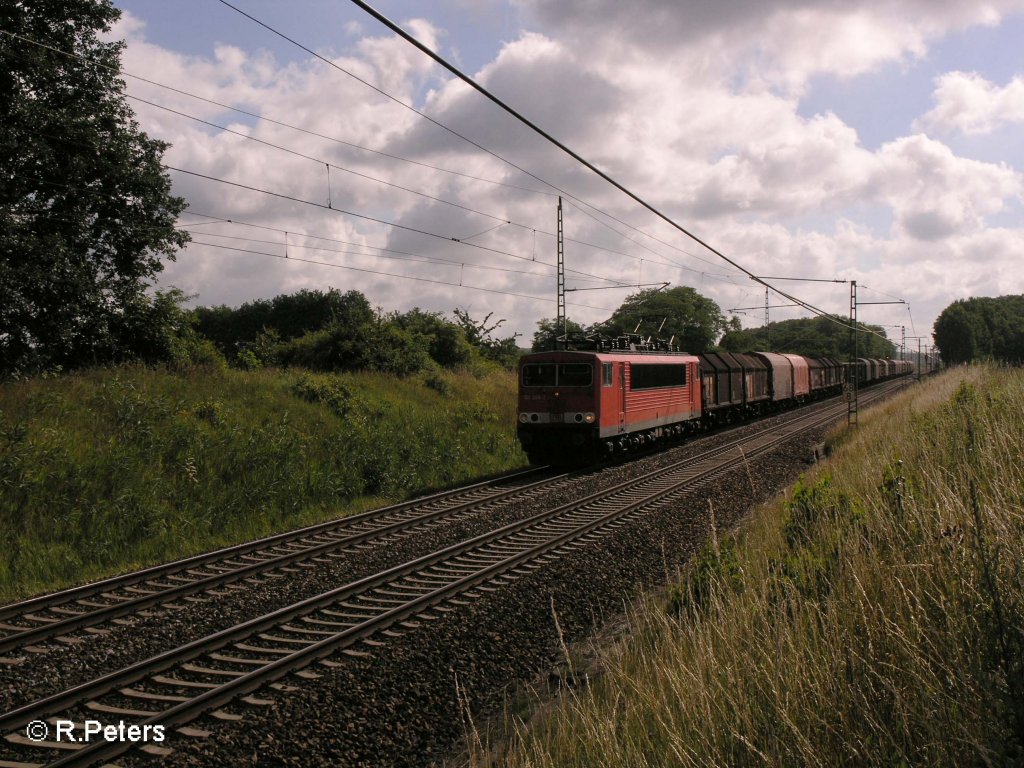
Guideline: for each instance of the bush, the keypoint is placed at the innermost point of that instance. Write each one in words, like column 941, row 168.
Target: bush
column 874, row 618
column 106, row 470
column 377, row 346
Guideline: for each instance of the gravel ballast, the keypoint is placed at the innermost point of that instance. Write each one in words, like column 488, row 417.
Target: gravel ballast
column 407, row 701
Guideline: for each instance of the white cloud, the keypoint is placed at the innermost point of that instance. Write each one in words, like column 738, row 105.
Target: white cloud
column 935, row 194
column 780, row 42
column 694, row 106
column 968, row 103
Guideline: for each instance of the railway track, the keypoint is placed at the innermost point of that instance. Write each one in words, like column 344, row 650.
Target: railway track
column 174, row 688
column 61, row 613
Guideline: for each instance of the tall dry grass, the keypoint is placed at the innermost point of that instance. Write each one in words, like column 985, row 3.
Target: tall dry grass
column 875, row 616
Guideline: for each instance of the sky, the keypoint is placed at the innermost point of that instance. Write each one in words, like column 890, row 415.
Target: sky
column 830, row 139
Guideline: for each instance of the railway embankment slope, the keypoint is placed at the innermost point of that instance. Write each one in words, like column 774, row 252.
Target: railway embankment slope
column 872, row 615
column 118, row 468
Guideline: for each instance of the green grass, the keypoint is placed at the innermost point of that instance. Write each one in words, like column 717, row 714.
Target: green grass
column 113, row 469
column 873, row 616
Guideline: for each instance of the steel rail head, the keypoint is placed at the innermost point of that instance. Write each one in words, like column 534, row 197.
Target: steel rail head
column 296, row 660
column 186, row 711
column 115, row 610
column 135, row 577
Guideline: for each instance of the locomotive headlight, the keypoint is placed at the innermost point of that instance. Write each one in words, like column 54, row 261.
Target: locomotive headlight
column 523, row 418
column 589, row 418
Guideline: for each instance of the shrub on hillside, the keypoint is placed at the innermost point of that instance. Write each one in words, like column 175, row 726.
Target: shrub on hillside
column 446, row 342
column 376, row 346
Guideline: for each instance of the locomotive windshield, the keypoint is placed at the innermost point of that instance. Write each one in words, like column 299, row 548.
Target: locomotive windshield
column 561, row 375
column 539, row 375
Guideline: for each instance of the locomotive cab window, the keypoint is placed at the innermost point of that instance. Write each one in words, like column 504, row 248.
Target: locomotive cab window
column 652, row 375
column 539, row 375
column 575, row 375
column 606, row 372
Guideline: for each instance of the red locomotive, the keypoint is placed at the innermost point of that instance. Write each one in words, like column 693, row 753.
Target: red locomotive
column 571, row 403
column 575, row 406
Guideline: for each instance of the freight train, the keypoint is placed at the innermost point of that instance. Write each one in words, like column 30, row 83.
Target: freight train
column 577, row 406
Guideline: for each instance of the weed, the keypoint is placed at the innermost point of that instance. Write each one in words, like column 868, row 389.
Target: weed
column 872, row 618
column 105, row 470
column 715, row 571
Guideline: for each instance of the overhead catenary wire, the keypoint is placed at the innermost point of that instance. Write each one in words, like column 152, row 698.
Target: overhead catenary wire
column 713, row 275
column 571, row 153
column 408, row 257
column 633, row 196
column 213, row 220
column 579, row 274
column 219, row 220
column 273, row 121
column 398, row 30
column 402, row 188
column 374, row 219
column 394, row 274
column 321, row 161
column 569, row 197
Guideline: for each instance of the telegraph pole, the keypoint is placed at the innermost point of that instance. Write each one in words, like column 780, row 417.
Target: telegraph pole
column 560, row 324
column 918, row 353
column 851, row 393
column 853, row 321
column 761, row 278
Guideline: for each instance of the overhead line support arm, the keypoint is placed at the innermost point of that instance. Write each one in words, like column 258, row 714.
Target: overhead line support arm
column 540, row 131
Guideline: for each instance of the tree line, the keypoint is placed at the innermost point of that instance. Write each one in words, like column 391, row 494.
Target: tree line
column 335, row 331
column 982, row 328
column 812, row 337
column 695, row 324
column 87, row 219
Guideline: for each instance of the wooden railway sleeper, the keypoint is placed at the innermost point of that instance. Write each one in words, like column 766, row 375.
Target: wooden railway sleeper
column 225, row 658
column 107, row 709
column 66, row 611
column 177, row 682
column 408, row 592
column 201, row 670
column 89, row 604
column 287, row 640
column 135, row 693
column 262, row 649
column 431, row 583
column 373, row 598
column 40, row 619
column 306, row 630
column 24, row 741
column 344, row 614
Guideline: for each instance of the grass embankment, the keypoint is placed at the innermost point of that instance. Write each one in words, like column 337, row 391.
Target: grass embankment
column 875, row 616
column 119, row 468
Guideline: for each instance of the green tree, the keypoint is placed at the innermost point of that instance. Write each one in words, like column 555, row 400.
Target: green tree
column 375, row 346
column 444, row 340
column 480, row 333
column 694, row 321
column 289, row 316
column 544, row 336
column 158, row 329
column 960, row 333
column 814, row 337
column 86, row 213
column 973, row 329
